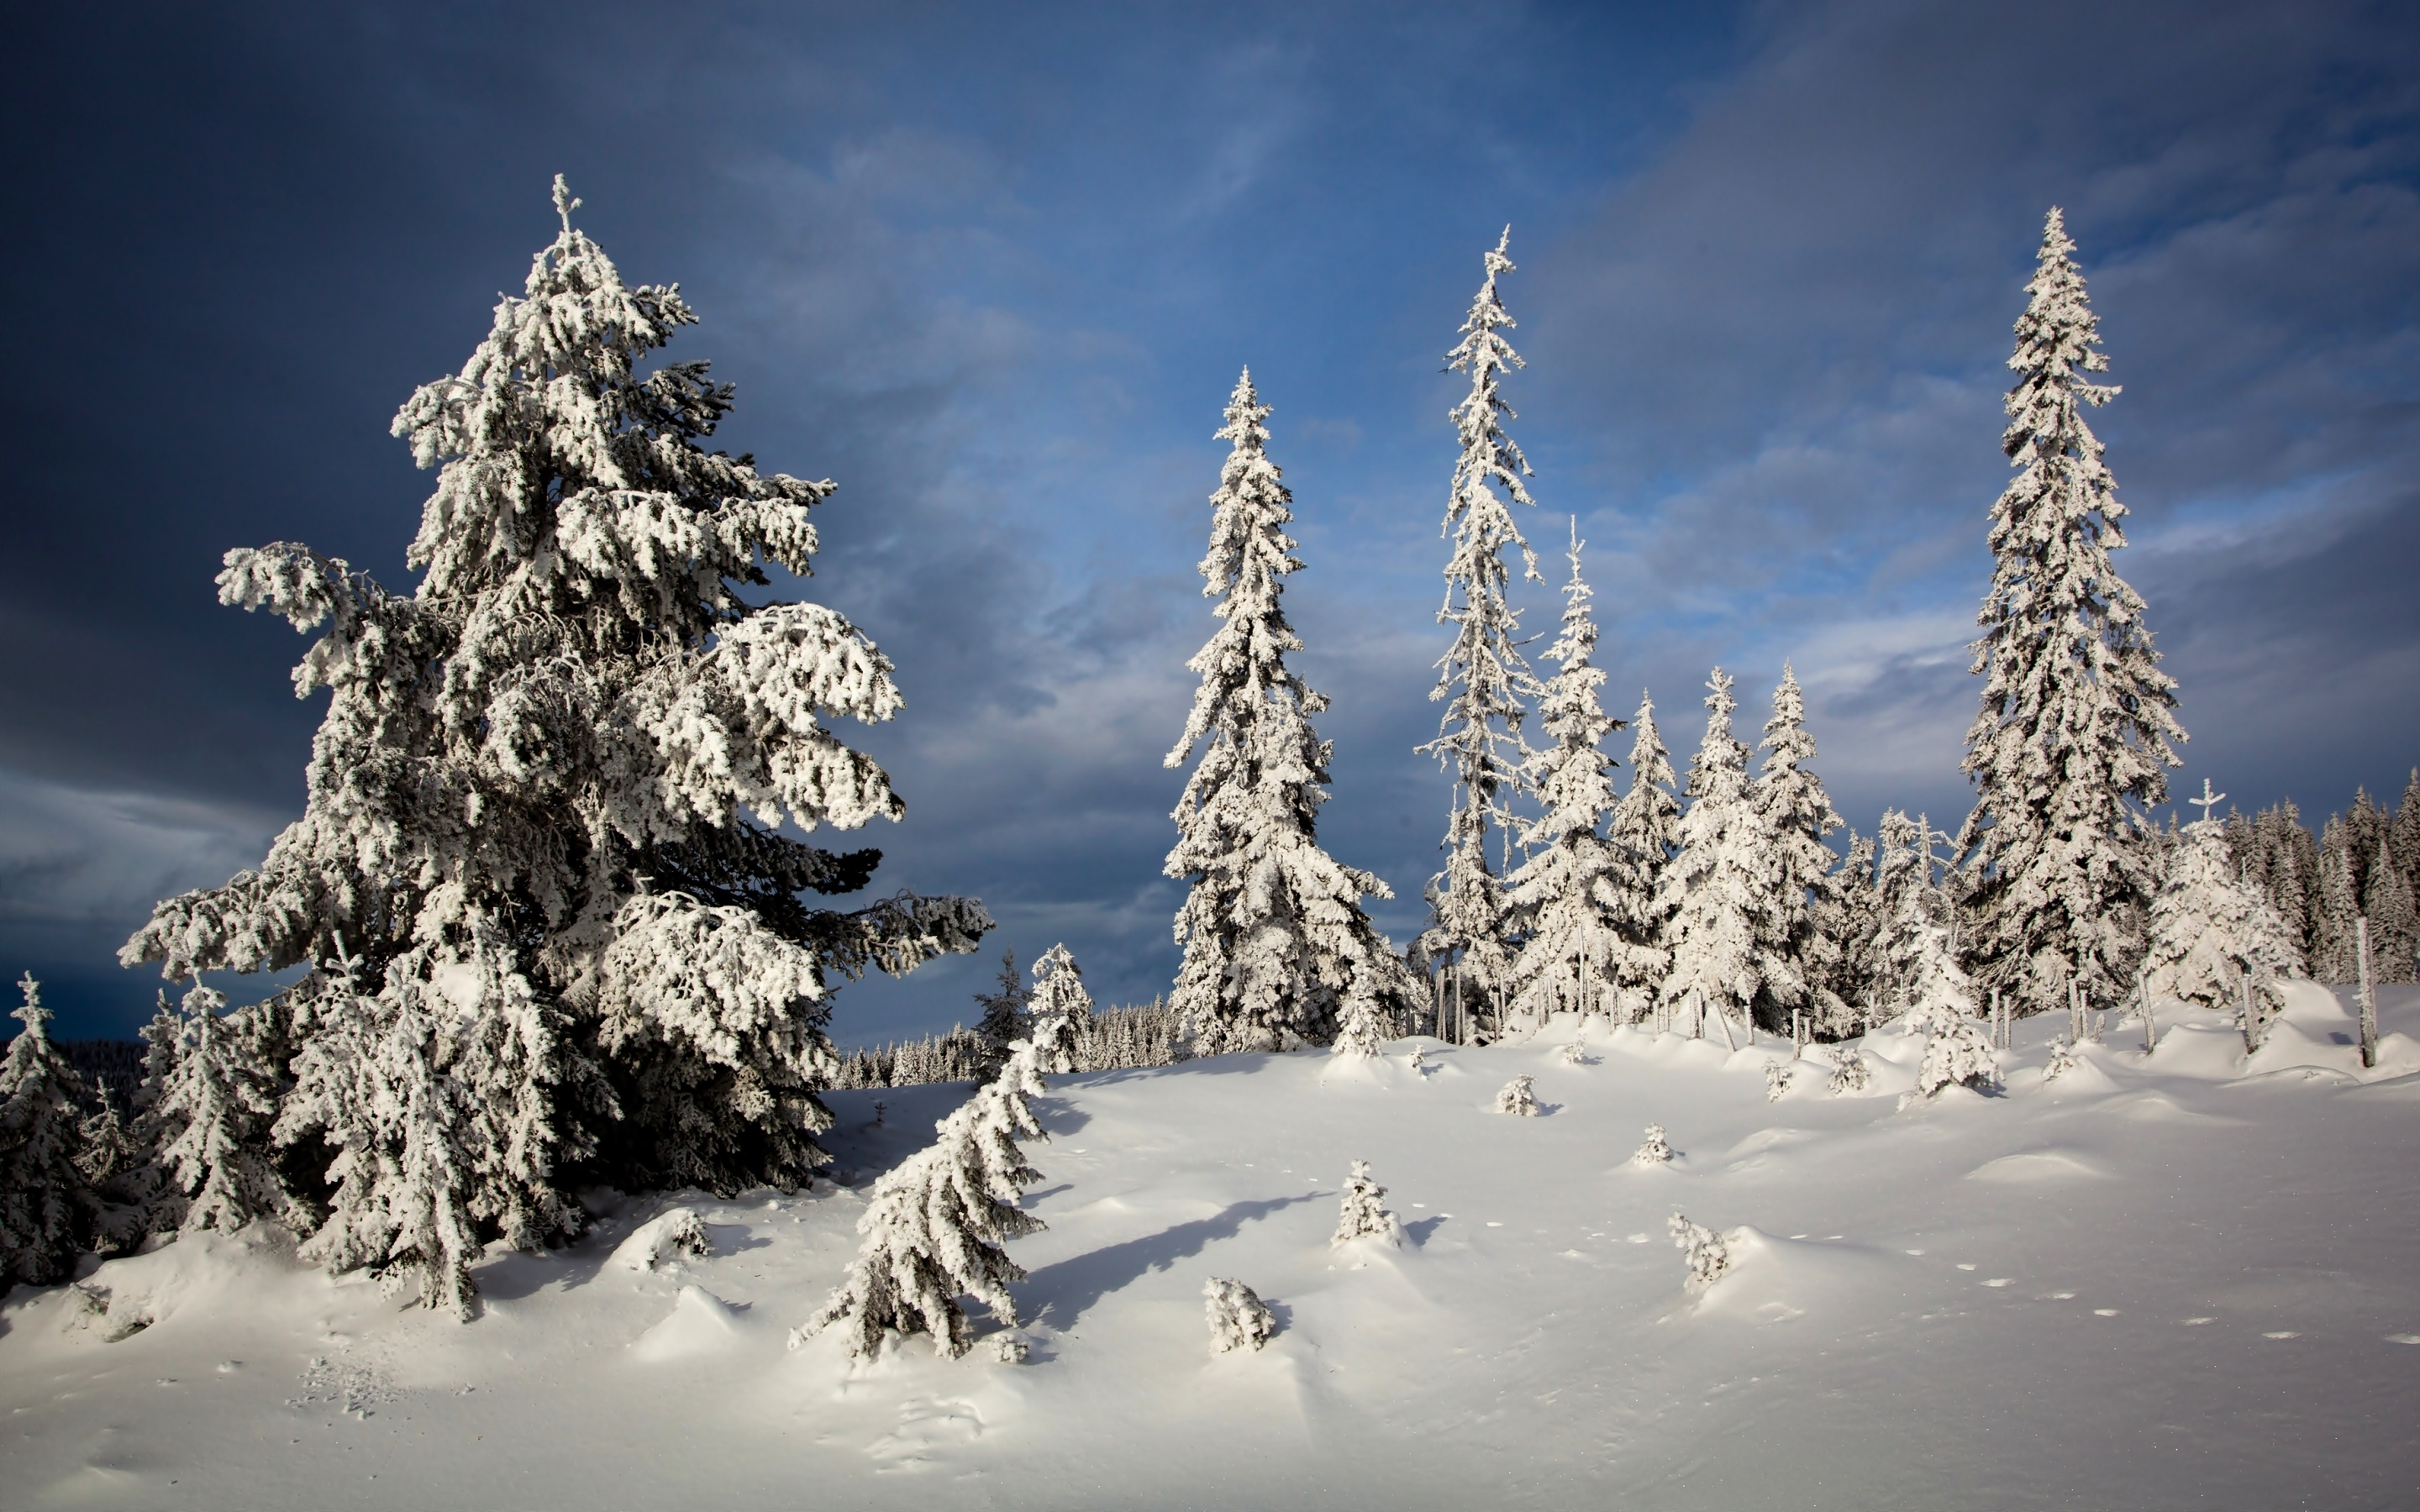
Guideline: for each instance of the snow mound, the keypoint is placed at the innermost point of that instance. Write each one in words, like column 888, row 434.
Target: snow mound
column 699, row 1323
column 2038, row 1165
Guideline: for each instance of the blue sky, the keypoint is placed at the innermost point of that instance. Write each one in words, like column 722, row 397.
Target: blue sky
column 995, row 270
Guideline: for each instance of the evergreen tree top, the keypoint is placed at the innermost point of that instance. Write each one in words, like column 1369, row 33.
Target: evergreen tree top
column 1489, row 456
column 1720, row 768
column 32, row 1014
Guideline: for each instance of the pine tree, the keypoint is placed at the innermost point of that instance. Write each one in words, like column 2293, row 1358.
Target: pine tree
column 48, row 1210
column 2076, row 727
column 1795, row 957
column 1004, row 1020
column 1275, row 938
column 2208, row 927
column 1717, row 893
column 1568, row 892
column 209, row 1120
column 1849, row 913
column 2338, row 906
column 2393, row 929
column 1060, row 1010
column 1646, row 829
column 1483, row 679
column 939, row 1221
column 1361, row 1214
column 2404, row 833
column 541, row 828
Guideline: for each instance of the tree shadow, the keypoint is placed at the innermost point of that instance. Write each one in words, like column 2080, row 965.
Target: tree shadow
column 1418, row 1230
column 1058, row 1117
column 1071, row 1287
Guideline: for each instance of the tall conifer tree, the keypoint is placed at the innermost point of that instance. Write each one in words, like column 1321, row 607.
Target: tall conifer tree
column 1567, row 892
column 1795, row 958
column 1646, row 829
column 1719, row 890
column 554, row 936
column 1483, row 679
column 1275, row 937
column 2077, row 727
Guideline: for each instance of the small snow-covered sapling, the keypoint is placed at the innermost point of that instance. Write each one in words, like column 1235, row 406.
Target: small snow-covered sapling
column 1777, row 1080
column 1702, row 1250
column 1238, row 1319
column 1574, row 1053
column 1519, row 1098
column 1849, row 1073
column 1363, row 1215
column 1655, row 1151
column 1420, row 1062
column 2062, row 1059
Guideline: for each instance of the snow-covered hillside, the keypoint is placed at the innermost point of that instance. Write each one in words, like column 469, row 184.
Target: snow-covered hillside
column 2179, row 1280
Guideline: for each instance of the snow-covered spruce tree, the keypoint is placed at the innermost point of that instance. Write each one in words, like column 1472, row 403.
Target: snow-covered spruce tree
column 2208, row 927
column 1654, row 1149
column 1795, row 959
column 1275, row 938
column 1849, row 914
column 2077, row 727
column 1718, row 891
column 537, row 880
column 1567, row 893
column 1004, row 1020
column 1518, row 1097
column 1060, row 1010
column 1483, row 679
column 1361, row 1212
column 2404, row 832
column 2394, row 928
column 1941, row 1003
column 2339, row 906
column 48, row 1210
column 209, row 1120
column 1239, row 1320
column 1702, row 1250
column 939, row 1223
column 1646, row 829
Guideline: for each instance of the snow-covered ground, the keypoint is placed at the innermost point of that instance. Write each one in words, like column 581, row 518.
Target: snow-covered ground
column 2175, row 1282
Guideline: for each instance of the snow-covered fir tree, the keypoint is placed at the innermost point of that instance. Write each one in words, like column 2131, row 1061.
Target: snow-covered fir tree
column 1940, row 1001
column 1004, row 1019
column 1795, row 958
column 1361, row 1212
column 2208, row 927
column 1848, row 1072
column 1567, row 893
column 2404, row 832
column 209, row 1120
column 1655, row 1149
column 1849, row 914
column 1518, row 1097
column 1061, row 1010
column 2339, row 906
column 2077, row 727
column 47, row 1209
column 1238, row 1319
column 1646, row 829
column 938, row 1224
column 1702, row 1250
column 554, row 934
column 1276, row 941
column 1718, row 891
column 2394, row 928
column 1483, row 679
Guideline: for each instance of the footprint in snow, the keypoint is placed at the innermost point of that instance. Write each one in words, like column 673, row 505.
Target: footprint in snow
column 2288, row 1334
column 2403, row 1338
column 2197, row 1322
column 2104, row 1312
column 1999, row 1281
